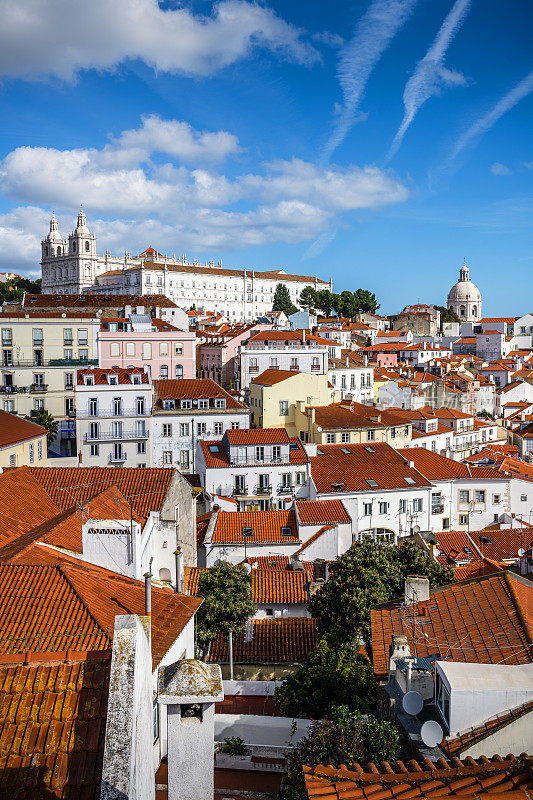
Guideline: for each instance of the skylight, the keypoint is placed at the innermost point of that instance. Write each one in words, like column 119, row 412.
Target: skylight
column 319, row 452
column 345, row 450
column 293, row 446
column 370, row 450
column 213, row 448
column 286, row 531
column 247, row 532
column 371, row 482
column 409, row 480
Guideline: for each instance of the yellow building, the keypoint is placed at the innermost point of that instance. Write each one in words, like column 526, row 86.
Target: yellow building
column 352, row 423
column 41, row 352
column 276, row 394
column 22, row 443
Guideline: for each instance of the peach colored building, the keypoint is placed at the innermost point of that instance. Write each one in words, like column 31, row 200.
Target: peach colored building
column 140, row 341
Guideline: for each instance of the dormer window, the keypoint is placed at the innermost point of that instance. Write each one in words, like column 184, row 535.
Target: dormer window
column 136, row 379
column 203, row 404
column 112, row 380
column 220, row 402
column 168, row 404
column 89, row 380
column 186, row 404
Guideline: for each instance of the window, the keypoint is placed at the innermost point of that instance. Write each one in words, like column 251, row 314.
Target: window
column 117, row 406
column 69, row 405
column 330, row 438
column 218, row 428
column 220, row 402
column 283, row 408
column 13, row 460
column 141, row 447
column 464, row 496
column 496, row 499
column 300, row 478
column 345, row 437
column 523, row 498
column 417, row 505
column 259, row 453
column 463, row 519
column 203, row 404
column 93, row 407
column 367, row 509
column 38, row 405
column 163, row 348
column 7, row 340
column 286, row 480
column 93, row 430
column 276, row 453
column 184, row 459
column 114, row 349
column 234, row 426
column 116, row 430
column 167, row 456
column 69, row 380
column 480, row 496
column 393, row 433
column 273, row 363
column 371, row 482
column 184, row 429
column 370, row 436
column 139, row 405
column 403, row 507
column 410, row 480
column 9, row 406
column 67, row 336
column 67, row 355
column 147, row 350
column 7, row 358
column 32, row 452
column 294, row 364
column 94, row 449
column 37, row 337
column 167, row 429
column 112, row 380
column 383, row 508
column 178, row 350
column 39, row 450
column 179, row 371
column 164, row 371
column 201, row 428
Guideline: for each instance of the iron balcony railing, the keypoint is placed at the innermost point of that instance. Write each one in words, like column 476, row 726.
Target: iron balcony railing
column 124, row 435
column 264, row 490
column 240, row 490
column 39, row 387
column 73, row 362
column 125, row 412
column 114, row 458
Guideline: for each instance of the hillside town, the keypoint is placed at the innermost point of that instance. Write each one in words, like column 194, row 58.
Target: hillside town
column 259, row 540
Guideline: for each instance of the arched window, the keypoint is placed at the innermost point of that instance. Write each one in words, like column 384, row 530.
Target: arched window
column 46, row 250
column 114, row 349
column 58, row 251
column 462, row 311
column 87, row 247
column 147, row 350
column 130, row 348
column 73, row 247
column 179, row 371
column 163, row 348
column 474, row 311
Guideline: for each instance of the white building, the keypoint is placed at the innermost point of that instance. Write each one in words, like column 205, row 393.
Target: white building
column 187, row 411
column 261, row 468
column 287, row 350
column 465, row 298
column 72, row 265
column 113, row 413
column 353, row 377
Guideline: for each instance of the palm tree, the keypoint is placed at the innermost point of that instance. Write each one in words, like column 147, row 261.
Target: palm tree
column 46, row 420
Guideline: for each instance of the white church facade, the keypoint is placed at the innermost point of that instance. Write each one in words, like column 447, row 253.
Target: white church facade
column 72, row 266
column 465, row 298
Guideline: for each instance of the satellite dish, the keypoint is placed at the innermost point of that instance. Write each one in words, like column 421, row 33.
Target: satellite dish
column 521, row 552
column 412, row 703
column 431, row 733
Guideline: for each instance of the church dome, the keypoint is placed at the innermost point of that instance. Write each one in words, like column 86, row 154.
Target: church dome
column 54, row 235
column 81, row 227
column 464, row 290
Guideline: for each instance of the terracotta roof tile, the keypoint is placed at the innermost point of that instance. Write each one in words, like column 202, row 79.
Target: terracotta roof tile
column 24, row 503
column 100, row 376
column 266, row 526
column 350, row 467
column 47, row 595
column 96, row 301
column 353, row 416
column 274, row 641
column 508, row 777
column 321, row 512
column 277, row 562
column 274, row 586
column 257, row 436
column 146, row 489
column 193, row 389
column 272, row 376
column 485, row 620
column 15, row 429
column 52, row 728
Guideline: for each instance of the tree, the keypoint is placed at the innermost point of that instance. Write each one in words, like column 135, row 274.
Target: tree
column 346, row 738
column 348, row 308
column 13, row 289
column 308, row 299
column 329, row 676
column 447, row 315
column 325, row 302
column 227, row 593
column 282, row 300
column 368, row 574
column 365, row 300
column 46, row 420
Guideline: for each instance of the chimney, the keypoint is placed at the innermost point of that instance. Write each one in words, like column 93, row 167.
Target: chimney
column 416, row 589
column 147, row 594
column 179, row 570
column 399, row 648
column 127, row 311
column 347, row 361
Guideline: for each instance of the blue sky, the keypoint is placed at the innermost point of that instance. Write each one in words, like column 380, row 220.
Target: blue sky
column 270, row 135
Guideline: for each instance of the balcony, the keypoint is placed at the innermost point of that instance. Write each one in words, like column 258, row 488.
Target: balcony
column 124, row 436
column 263, row 490
column 253, row 369
column 117, row 459
column 39, row 387
column 73, row 362
column 13, row 389
column 239, row 491
column 437, row 508
column 286, row 489
column 315, row 367
column 86, row 414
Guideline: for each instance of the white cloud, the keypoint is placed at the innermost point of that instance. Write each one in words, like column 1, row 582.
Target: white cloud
column 58, row 38
column 373, row 34
column 500, row 169
column 132, row 201
column 430, row 74
column 487, row 121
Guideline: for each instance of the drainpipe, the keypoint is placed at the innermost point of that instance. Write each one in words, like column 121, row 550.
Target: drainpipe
column 231, row 655
column 148, row 594
column 178, row 560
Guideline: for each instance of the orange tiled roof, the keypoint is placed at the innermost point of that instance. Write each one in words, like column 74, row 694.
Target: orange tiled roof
column 349, row 415
column 146, row 489
column 266, row 526
column 96, row 301
column 192, row 389
column 503, row 544
column 351, row 470
column 321, row 512
column 277, row 562
column 45, row 592
column 274, row 641
column 487, row 620
column 15, row 429
column 219, row 458
column 52, row 727
column 257, row 436
column 268, row 585
column 511, row 778
column 123, row 375
column 24, row 503
column 272, row 376
column 437, row 467
column 472, row 736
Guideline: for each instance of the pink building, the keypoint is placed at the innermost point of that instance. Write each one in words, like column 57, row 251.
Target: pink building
column 140, row 341
column 218, row 353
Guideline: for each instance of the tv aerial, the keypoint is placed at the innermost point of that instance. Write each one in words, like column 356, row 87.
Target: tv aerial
column 431, row 733
column 412, row 703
